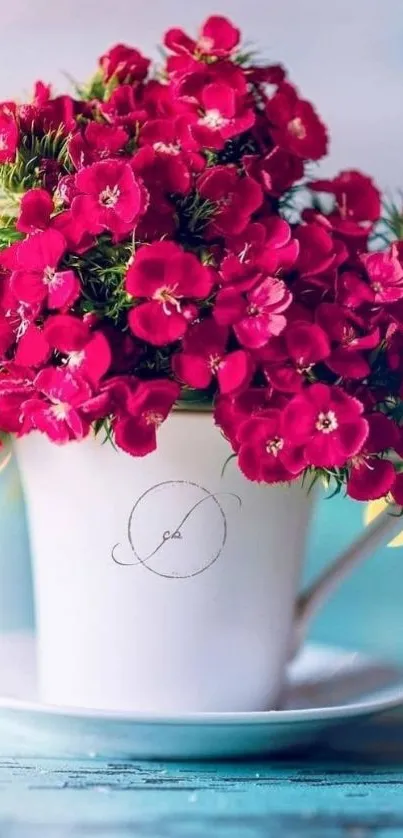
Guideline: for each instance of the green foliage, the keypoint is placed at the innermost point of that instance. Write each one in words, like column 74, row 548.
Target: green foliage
column 193, row 212
column 102, row 272
column 26, row 171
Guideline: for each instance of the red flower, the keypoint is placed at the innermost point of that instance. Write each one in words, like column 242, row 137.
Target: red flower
column 126, row 64
column 97, row 142
column 35, row 277
column 236, row 199
column 35, row 210
column 57, row 410
column 231, row 411
column 9, row 136
column 287, row 357
column 161, row 160
column 397, row 489
column 256, row 315
column 73, row 230
column 277, row 171
column 47, row 114
column 328, row 423
column 351, row 338
column 358, row 202
column 318, row 252
column 205, row 355
column 385, row 275
column 370, row 476
column 168, row 278
column 111, row 198
column 148, row 406
column 122, row 108
column 218, row 37
column 221, row 114
column 266, row 453
column 296, row 126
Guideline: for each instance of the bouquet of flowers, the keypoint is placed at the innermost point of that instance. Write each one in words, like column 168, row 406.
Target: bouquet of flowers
column 163, row 243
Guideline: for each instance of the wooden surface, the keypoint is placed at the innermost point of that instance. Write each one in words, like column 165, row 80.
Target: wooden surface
column 313, row 797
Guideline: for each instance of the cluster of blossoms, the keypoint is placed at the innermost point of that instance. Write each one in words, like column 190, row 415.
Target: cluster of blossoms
column 150, row 254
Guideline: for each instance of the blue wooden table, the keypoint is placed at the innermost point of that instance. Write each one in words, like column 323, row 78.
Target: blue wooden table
column 355, row 792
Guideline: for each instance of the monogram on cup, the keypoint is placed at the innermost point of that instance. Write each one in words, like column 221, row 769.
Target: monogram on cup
column 176, row 529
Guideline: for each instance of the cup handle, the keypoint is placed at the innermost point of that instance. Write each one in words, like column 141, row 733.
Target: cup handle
column 311, row 600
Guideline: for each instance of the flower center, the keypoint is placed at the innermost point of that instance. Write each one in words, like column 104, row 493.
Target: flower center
column 60, row 411
column 167, row 297
column 166, row 148
column 297, row 128
column 326, row 422
column 214, row 362
column 109, row 196
column 49, row 275
column 253, row 310
column 205, row 44
column 152, row 417
column 274, row 446
column 75, row 359
column 376, row 286
column 213, row 119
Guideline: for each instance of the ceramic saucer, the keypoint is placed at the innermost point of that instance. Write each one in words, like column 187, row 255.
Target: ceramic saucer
column 327, row 687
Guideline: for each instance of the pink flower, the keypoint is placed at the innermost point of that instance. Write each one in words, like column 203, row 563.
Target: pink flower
column 266, row 453
column 16, row 387
column 385, row 275
column 204, row 356
column 166, row 279
column 295, row 125
column 263, row 246
column 148, row 406
column 74, row 232
column 35, row 275
column 97, row 142
column 57, row 409
column 35, row 210
column 32, row 348
column 327, row 423
column 371, row 477
column 87, row 353
column 286, row 359
column 218, row 37
column 236, row 199
column 110, row 198
column 124, row 63
column 9, row 136
column 220, row 115
column 256, row 315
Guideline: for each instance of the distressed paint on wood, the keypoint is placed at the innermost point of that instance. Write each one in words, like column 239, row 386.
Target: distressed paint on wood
column 316, row 797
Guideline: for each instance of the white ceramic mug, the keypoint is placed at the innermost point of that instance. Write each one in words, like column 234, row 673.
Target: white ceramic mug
column 161, row 584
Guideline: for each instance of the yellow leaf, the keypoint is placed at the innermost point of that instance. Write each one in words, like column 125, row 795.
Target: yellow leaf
column 372, row 510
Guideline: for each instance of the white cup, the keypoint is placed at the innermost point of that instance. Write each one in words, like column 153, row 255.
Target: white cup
column 162, row 584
